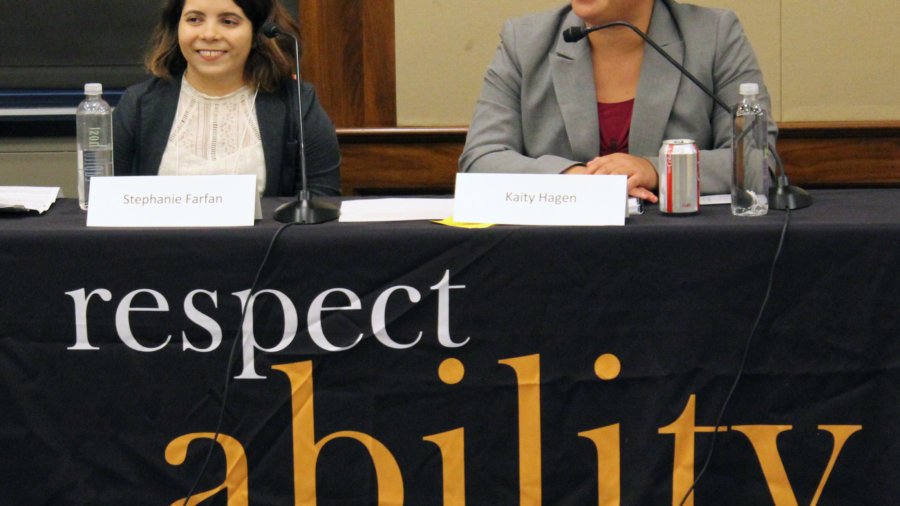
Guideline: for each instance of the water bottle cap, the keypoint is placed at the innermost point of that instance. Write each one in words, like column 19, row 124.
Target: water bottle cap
column 93, row 89
column 749, row 89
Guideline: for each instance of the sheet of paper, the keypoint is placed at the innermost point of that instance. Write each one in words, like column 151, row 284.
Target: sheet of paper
column 635, row 206
column 712, row 200
column 396, row 209
column 27, row 198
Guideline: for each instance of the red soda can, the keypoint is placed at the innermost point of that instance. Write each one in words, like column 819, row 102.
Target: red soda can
column 679, row 178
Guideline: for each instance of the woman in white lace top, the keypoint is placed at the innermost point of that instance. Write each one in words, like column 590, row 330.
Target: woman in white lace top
column 223, row 101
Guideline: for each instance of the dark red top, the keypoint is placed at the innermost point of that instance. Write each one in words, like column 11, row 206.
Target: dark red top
column 615, row 124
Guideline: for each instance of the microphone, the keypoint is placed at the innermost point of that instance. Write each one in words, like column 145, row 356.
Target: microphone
column 305, row 210
column 270, row 30
column 576, row 33
column 783, row 195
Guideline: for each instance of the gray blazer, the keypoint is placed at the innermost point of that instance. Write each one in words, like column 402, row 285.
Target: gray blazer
column 538, row 108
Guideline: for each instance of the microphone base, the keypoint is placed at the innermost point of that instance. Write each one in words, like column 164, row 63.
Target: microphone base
column 788, row 197
column 307, row 212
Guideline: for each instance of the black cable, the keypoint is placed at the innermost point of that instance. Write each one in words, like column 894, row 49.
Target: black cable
column 740, row 372
column 228, row 366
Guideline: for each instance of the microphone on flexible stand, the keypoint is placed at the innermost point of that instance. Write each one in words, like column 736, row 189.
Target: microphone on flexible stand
column 782, row 195
column 305, row 210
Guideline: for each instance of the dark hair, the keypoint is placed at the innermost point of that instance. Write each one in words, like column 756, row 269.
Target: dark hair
column 270, row 63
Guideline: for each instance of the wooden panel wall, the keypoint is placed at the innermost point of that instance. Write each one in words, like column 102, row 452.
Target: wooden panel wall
column 839, row 154
column 423, row 160
column 348, row 53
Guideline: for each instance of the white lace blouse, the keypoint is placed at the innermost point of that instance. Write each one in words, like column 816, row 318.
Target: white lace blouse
column 215, row 135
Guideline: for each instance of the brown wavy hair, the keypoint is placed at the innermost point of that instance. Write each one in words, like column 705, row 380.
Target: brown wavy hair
column 271, row 61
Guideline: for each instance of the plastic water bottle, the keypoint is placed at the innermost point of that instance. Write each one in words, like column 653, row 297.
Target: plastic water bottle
column 93, row 127
column 750, row 149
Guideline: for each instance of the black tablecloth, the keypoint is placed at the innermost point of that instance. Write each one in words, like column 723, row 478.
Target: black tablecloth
column 93, row 389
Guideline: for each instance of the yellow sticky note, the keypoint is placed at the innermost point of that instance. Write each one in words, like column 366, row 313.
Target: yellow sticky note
column 450, row 222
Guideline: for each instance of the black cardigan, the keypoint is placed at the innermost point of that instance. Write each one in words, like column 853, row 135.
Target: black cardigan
column 142, row 122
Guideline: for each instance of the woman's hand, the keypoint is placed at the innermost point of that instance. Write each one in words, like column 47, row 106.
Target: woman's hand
column 642, row 177
column 580, row 169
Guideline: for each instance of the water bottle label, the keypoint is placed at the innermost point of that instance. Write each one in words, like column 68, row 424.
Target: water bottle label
column 94, row 137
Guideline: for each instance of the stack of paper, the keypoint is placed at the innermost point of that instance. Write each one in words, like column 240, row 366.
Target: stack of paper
column 27, row 198
column 396, row 209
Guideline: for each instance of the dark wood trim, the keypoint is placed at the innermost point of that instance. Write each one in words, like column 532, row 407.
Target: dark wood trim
column 402, row 135
column 839, row 129
column 423, row 160
column 349, row 56
column 841, row 154
column 787, row 130
column 399, row 161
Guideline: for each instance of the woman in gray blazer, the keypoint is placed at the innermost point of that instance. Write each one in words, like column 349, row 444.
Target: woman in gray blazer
column 544, row 100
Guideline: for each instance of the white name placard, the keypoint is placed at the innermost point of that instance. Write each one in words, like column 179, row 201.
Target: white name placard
column 172, row 201
column 540, row 199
